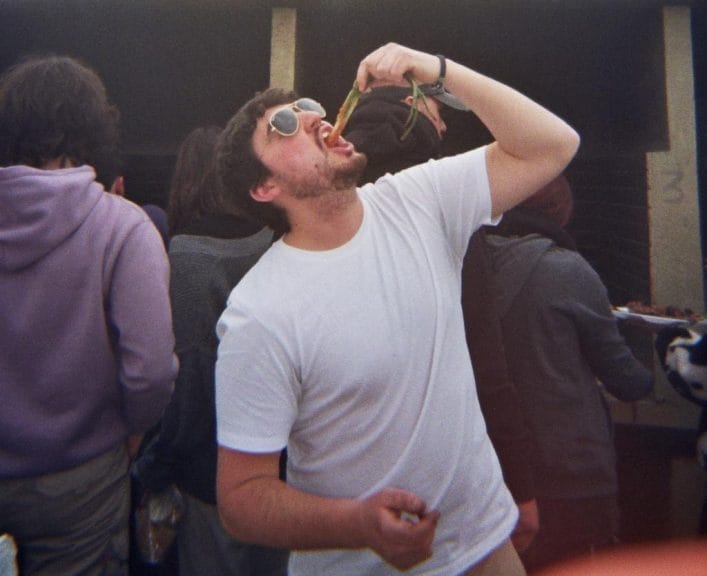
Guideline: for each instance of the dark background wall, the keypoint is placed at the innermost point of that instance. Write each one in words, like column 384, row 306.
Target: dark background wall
column 598, row 64
column 169, row 66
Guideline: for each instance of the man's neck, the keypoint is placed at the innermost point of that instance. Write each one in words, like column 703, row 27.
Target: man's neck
column 325, row 223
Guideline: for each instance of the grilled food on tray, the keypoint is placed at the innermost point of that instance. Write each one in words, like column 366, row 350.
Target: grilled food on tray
column 638, row 307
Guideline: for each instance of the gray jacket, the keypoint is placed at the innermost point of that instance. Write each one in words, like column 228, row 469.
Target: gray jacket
column 564, row 345
column 204, row 270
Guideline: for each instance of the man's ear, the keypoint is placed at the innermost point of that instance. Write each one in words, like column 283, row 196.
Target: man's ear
column 118, row 186
column 265, row 191
column 409, row 100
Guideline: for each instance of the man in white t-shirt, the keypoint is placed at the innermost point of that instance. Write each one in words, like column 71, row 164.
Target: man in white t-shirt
column 345, row 342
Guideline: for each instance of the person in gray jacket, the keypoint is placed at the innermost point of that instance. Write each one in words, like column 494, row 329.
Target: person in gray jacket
column 211, row 249
column 87, row 360
column 566, row 350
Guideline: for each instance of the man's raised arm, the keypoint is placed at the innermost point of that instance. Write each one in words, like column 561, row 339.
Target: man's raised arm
column 532, row 145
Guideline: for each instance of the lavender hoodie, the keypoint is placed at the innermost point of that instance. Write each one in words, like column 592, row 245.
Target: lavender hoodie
column 86, row 342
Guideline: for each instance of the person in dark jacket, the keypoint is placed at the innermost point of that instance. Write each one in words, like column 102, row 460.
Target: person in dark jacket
column 376, row 128
column 566, row 352
column 210, row 251
column 87, row 359
column 683, row 357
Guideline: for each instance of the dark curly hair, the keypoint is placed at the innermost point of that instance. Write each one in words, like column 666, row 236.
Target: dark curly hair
column 53, row 107
column 239, row 169
column 193, row 192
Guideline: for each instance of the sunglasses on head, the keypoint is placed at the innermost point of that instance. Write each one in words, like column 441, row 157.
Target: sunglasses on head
column 285, row 121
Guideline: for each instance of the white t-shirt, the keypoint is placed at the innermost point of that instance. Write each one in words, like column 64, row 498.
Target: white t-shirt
column 356, row 360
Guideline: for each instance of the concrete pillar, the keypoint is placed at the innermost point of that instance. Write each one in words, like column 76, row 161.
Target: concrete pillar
column 283, row 45
column 674, row 218
column 673, row 212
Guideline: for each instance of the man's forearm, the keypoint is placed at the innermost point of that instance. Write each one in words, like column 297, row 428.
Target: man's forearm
column 532, row 145
column 268, row 511
column 522, row 127
column 256, row 506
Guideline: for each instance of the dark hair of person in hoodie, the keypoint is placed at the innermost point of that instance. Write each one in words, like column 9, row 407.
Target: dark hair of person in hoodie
column 55, row 107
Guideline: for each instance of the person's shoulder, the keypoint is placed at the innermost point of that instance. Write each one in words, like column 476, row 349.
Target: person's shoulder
column 217, row 262
column 570, row 262
column 220, row 247
column 122, row 209
column 120, row 222
column 263, row 279
column 527, row 249
column 473, row 160
column 568, row 278
column 271, row 288
column 568, row 266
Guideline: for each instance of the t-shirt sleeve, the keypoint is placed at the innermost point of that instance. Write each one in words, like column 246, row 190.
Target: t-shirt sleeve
column 453, row 191
column 256, row 390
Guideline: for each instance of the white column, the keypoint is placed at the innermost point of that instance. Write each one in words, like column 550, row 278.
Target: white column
column 674, row 218
column 673, row 212
column 283, row 44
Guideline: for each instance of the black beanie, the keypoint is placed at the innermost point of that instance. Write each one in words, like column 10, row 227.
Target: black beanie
column 375, row 128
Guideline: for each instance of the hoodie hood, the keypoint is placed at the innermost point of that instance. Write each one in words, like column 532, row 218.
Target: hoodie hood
column 515, row 259
column 39, row 209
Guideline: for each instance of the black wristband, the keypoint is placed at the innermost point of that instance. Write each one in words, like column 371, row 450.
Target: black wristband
column 442, row 70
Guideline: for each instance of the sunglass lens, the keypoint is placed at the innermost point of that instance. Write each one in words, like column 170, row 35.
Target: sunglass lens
column 285, row 121
column 309, row 105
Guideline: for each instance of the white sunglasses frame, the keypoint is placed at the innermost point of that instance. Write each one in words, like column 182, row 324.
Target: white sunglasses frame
column 294, row 108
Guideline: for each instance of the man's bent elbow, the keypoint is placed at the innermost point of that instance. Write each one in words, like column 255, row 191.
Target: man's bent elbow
column 229, row 510
column 568, row 145
column 231, row 523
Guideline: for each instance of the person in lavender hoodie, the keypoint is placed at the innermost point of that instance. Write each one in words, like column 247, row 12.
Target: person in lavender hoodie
column 87, row 358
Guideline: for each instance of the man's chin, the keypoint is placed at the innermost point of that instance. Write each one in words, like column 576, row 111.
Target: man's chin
column 349, row 175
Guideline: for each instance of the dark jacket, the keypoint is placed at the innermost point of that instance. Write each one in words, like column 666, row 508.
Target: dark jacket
column 556, row 319
column 207, row 262
column 498, row 395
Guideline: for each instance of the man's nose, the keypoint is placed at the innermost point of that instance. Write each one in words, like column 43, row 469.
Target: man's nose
column 310, row 120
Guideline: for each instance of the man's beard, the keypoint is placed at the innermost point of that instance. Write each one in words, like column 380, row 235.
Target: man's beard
column 342, row 178
column 350, row 174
